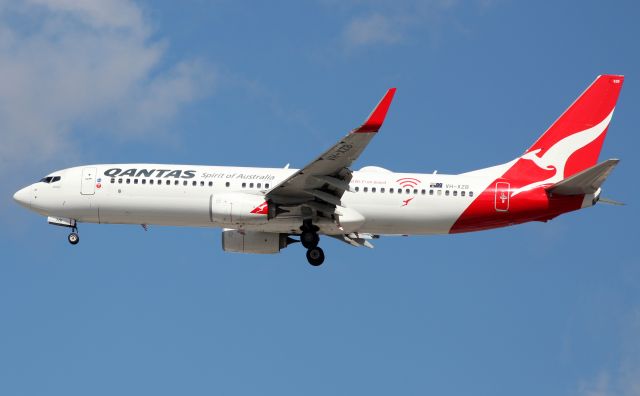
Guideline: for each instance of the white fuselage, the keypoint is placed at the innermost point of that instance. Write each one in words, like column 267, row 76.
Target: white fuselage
column 380, row 201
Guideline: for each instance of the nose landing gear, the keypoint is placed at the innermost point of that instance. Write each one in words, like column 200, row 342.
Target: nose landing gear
column 73, row 238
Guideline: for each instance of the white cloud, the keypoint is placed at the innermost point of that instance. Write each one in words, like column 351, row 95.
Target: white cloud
column 65, row 64
column 623, row 379
column 389, row 22
column 371, row 29
column 600, row 386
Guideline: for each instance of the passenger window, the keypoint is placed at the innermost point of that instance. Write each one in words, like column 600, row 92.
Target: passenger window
column 168, row 182
column 259, row 185
column 391, row 191
column 250, row 185
column 128, row 181
column 423, row 191
column 194, row 183
column 455, row 193
column 227, row 184
column 357, row 189
column 210, row 184
column 143, row 181
column 415, row 191
column 176, row 182
column 462, row 193
column 446, row 193
column 365, row 189
column 150, row 181
column 244, row 185
column 382, row 190
column 184, row 183
column 135, row 181
column 471, row 193
column 373, row 189
column 266, row 185
column 159, row 182
column 408, row 191
column 430, row 192
column 439, row 192
column 202, row 183
column 399, row 191
column 113, row 180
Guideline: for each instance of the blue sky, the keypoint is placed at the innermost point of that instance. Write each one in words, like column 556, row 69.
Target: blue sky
column 535, row 309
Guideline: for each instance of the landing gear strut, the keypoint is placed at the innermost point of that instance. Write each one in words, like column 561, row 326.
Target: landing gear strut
column 310, row 239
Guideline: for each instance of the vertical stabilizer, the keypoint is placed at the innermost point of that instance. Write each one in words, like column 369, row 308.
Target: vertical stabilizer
column 573, row 142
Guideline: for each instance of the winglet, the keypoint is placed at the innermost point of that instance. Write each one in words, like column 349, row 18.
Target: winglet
column 376, row 118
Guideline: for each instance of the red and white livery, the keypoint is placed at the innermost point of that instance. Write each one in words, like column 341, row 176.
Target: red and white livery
column 262, row 210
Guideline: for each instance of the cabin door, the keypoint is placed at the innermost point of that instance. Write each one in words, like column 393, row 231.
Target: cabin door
column 88, row 182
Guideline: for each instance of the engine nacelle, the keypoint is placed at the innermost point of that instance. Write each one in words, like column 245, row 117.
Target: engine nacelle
column 238, row 208
column 256, row 242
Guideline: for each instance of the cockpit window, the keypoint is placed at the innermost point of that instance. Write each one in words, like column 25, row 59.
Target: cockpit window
column 50, row 179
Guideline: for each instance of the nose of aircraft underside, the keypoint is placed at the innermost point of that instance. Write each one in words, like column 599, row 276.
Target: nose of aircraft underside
column 23, row 197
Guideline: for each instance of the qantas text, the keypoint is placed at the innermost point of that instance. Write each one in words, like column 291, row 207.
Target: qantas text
column 187, row 174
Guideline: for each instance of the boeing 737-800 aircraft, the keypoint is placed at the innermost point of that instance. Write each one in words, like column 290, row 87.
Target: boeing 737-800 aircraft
column 261, row 209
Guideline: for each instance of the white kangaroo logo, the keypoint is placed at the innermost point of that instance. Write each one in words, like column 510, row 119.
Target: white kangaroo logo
column 556, row 157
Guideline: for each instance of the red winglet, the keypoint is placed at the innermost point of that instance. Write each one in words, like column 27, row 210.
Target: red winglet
column 376, row 118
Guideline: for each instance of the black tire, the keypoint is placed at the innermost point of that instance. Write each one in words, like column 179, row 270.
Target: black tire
column 315, row 256
column 309, row 239
column 73, row 238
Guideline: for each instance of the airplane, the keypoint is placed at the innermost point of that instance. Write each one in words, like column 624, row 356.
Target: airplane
column 263, row 210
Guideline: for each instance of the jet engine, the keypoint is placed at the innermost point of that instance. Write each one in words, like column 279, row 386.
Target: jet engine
column 256, row 242
column 238, row 208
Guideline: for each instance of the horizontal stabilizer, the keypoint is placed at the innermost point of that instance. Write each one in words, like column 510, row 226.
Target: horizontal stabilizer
column 586, row 182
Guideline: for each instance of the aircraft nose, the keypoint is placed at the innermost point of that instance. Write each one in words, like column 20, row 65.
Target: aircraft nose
column 23, row 197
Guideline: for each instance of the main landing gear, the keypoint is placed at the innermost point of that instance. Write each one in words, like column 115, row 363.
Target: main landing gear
column 315, row 256
column 310, row 239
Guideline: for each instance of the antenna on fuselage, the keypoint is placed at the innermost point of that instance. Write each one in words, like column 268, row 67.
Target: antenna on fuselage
column 286, row 166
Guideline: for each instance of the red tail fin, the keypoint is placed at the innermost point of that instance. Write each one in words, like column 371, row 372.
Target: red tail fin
column 578, row 134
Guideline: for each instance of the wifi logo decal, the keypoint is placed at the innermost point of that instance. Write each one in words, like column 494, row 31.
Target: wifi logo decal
column 408, row 182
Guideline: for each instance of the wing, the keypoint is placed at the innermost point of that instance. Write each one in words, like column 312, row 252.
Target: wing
column 319, row 186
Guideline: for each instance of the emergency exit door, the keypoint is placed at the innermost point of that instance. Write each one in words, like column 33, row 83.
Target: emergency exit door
column 502, row 197
column 88, row 183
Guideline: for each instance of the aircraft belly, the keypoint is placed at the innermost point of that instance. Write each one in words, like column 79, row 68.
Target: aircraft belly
column 179, row 211
column 423, row 216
